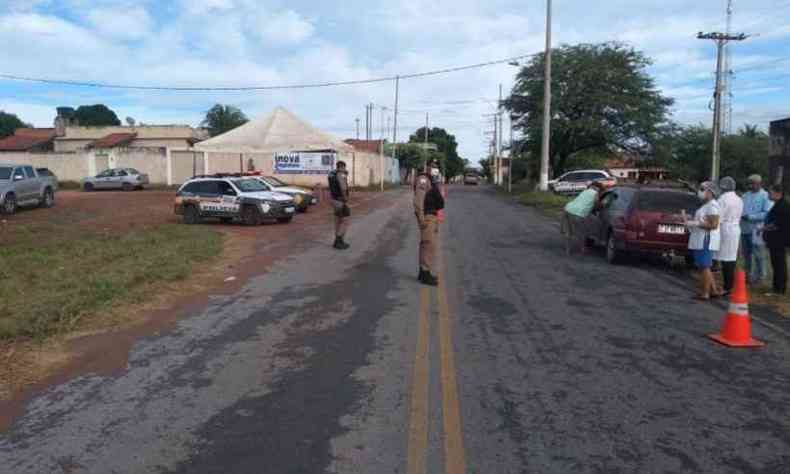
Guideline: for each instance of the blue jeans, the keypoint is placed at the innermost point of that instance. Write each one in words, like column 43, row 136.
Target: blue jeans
column 753, row 258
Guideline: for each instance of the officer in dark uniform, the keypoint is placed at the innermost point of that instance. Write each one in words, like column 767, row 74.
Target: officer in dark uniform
column 338, row 187
column 428, row 201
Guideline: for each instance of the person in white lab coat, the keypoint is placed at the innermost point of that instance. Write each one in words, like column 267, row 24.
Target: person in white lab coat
column 730, row 223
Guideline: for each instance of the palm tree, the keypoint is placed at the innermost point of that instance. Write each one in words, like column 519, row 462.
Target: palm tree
column 750, row 131
column 222, row 118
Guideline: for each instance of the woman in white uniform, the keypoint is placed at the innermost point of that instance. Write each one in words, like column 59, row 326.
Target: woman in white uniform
column 730, row 221
column 704, row 238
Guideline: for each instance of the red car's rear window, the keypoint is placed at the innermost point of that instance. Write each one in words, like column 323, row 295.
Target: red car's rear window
column 667, row 201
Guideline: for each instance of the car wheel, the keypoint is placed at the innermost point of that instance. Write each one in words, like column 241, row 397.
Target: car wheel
column 250, row 215
column 127, row 187
column 613, row 255
column 284, row 220
column 49, row 199
column 191, row 215
column 88, row 187
column 9, row 206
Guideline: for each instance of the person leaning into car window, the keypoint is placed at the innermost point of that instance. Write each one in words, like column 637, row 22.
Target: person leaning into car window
column 704, row 238
column 576, row 211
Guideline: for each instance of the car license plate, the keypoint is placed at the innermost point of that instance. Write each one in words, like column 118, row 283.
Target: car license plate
column 315, row 201
column 290, row 210
column 671, row 229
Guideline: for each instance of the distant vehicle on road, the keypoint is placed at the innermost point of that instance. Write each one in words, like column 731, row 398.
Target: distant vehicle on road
column 21, row 186
column 48, row 176
column 471, row 179
column 574, row 182
column 303, row 197
column 642, row 220
column 127, row 179
column 241, row 198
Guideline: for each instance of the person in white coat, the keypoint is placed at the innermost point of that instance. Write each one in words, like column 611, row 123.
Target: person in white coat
column 730, row 223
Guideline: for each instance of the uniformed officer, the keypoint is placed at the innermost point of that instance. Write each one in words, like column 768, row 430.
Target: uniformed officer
column 338, row 187
column 428, row 201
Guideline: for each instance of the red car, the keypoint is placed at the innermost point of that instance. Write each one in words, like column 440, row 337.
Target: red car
column 642, row 220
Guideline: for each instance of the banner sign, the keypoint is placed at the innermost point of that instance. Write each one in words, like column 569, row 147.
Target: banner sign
column 304, row 162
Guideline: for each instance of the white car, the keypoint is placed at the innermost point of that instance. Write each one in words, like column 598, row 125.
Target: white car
column 574, row 182
column 303, row 197
column 230, row 198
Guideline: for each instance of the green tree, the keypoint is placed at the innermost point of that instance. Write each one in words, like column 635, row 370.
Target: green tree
column 452, row 164
column 602, row 100
column 687, row 153
column 96, row 116
column 9, row 123
column 222, row 118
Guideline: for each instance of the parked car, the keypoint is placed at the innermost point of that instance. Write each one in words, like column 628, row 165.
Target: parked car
column 127, row 179
column 642, row 220
column 48, row 176
column 574, row 182
column 245, row 199
column 471, row 179
column 303, row 197
column 21, row 186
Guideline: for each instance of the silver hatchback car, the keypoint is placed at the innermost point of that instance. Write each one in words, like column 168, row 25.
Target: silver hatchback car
column 127, row 179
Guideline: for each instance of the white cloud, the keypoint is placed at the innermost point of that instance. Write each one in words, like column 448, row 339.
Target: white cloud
column 287, row 27
column 127, row 23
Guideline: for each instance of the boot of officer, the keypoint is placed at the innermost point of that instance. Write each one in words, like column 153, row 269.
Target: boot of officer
column 338, row 187
column 428, row 201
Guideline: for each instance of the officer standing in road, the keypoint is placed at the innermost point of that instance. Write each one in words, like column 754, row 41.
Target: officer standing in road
column 428, row 201
column 338, row 187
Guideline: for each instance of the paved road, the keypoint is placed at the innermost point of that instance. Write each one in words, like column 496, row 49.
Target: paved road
column 523, row 361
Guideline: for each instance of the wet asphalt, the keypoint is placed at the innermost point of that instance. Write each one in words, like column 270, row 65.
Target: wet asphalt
column 562, row 365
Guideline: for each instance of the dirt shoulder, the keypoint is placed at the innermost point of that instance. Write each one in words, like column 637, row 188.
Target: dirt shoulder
column 101, row 345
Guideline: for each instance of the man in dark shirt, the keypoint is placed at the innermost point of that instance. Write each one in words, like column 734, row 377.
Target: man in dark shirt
column 338, row 187
column 776, row 234
column 428, row 201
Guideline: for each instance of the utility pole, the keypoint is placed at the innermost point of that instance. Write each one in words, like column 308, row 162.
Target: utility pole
column 721, row 40
column 495, row 158
column 545, row 143
column 510, row 161
column 357, row 128
column 367, row 122
column 395, row 123
column 499, row 155
column 381, row 150
column 425, row 145
column 727, row 78
column 372, row 120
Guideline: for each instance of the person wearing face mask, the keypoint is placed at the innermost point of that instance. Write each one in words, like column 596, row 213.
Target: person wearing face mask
column 730, row 225
column 704, row 238
column 756, row 204
column 777, row 235
column 428, row 201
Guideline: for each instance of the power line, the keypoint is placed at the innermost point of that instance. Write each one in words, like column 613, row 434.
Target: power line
column 260, row 88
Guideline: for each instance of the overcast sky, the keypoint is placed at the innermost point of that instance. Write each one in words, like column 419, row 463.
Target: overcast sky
column 263, row 42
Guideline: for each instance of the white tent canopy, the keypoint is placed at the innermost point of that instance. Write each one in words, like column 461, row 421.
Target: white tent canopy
column 279, row 132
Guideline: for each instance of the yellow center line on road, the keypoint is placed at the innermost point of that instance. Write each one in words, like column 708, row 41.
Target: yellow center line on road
column 418, row 417
column 454, row 455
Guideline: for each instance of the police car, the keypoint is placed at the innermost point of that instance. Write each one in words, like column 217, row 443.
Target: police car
column 230, row 198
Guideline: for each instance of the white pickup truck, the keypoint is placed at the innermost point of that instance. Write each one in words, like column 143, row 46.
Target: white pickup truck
column 21, row 185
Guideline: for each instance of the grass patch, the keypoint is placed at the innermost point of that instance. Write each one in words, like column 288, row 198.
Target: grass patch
column 546, row 202
column 50, row 280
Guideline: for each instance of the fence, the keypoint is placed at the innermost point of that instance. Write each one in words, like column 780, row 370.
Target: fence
column 175, row 166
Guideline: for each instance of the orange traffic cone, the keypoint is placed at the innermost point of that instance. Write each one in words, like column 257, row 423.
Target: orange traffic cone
column 737, row 328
